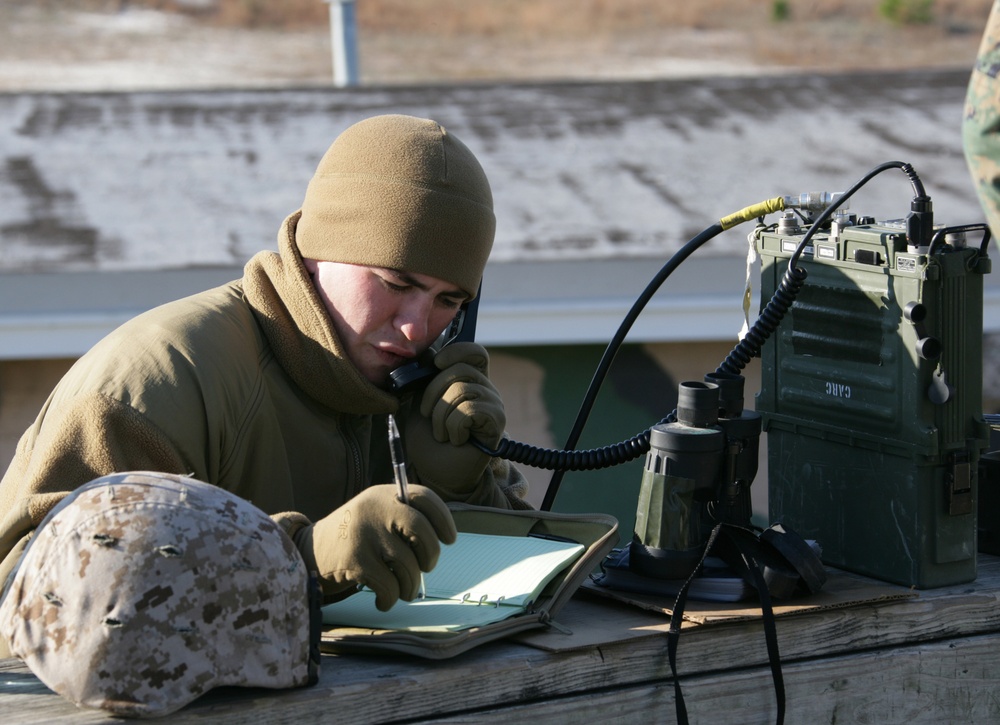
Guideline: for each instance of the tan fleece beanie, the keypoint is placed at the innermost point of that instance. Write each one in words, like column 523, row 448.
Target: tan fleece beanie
column 400, row 192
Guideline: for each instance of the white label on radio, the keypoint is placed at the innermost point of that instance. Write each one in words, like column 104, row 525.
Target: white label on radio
column 838, row 390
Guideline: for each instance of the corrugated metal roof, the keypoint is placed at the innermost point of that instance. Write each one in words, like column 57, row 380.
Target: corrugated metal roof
column 121, row 181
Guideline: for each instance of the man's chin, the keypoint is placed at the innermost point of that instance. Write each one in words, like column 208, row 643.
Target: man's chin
column 380, row 377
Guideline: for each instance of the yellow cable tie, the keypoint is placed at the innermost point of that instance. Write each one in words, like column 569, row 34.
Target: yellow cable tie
column 752, row 212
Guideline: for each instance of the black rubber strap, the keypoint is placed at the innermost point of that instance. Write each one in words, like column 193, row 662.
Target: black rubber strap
column 799, row 555
column 739, row 548
column 674, row 633
column 747, row 543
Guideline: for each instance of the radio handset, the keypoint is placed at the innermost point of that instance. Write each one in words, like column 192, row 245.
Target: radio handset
column 462, row 329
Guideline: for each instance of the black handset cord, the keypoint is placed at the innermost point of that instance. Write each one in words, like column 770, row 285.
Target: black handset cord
column 568, row 459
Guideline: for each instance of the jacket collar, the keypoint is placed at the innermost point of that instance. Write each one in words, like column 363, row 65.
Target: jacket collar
column 300, row 332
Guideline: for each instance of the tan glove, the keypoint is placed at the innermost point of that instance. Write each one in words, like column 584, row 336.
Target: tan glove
column 458, row 402
column 461, row 400
column 377, row 541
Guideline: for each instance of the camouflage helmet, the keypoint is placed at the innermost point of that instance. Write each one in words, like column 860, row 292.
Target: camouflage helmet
column 141, row 591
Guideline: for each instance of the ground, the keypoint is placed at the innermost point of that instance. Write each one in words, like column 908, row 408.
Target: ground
column 130, row 45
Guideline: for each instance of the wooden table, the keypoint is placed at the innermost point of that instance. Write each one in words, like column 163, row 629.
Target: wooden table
column 927, row 657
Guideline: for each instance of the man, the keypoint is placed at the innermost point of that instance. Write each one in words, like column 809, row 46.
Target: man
column 275, row 387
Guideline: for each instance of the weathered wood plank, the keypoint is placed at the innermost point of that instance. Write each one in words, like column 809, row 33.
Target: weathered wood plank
column 952, row 681
column 938, row 642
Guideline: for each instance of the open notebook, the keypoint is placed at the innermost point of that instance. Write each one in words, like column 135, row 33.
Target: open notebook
column 480, row 579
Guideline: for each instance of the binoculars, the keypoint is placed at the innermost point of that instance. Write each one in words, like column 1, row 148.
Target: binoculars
column 698, row 473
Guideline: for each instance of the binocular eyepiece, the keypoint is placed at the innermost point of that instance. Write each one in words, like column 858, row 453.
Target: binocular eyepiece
column 698, row 473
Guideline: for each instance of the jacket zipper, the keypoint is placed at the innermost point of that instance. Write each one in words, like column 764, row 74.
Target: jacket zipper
column 349, row 436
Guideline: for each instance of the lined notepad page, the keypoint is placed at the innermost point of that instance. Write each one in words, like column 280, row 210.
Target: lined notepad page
column 514, row 567
column 478, row 580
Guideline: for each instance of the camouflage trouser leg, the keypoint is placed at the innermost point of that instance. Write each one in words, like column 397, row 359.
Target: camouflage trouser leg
column 981, row 122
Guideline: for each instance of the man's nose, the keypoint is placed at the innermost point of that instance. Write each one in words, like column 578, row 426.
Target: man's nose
column 412, row 320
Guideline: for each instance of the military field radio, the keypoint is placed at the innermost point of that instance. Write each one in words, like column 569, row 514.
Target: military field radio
column 871, row 395
column 870, row 340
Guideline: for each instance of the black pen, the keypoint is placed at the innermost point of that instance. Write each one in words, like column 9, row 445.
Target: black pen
column 399, row 472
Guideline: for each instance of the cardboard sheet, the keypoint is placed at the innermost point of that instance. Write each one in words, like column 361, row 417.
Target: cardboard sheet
column 597, row 615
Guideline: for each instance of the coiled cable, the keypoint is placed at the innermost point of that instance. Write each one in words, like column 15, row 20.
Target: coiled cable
column 567, row 458
column 766, row 323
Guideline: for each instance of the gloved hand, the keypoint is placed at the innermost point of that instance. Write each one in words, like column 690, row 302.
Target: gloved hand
column 458, row 402
column 461, row 400
column 380, row 542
